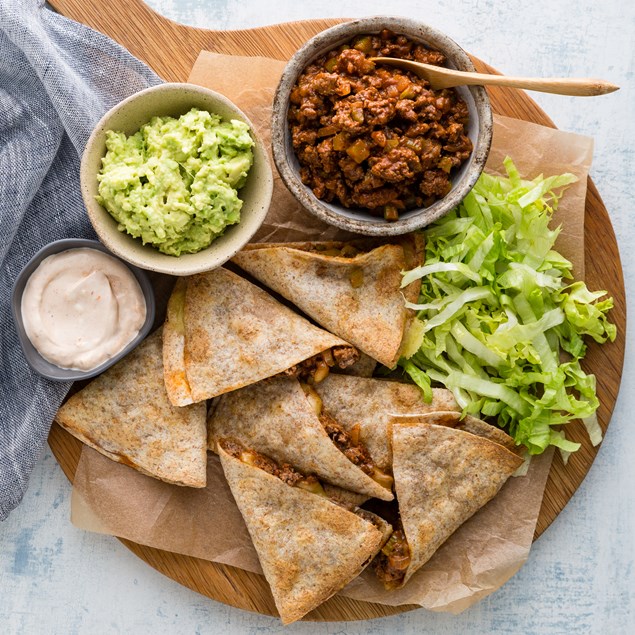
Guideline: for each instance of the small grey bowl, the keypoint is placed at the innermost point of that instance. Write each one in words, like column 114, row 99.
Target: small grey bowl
column 34, row 359
column 362, row 221
column 128, row 116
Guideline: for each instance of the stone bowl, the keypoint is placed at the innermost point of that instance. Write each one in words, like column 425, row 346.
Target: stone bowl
column 358, row 220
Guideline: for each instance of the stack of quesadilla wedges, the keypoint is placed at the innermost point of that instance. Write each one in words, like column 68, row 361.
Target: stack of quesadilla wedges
column 125, row 414
column 223, row 332
column 351, row 293
column 284, row 420
column 301, row 448
column 445, row 466
column 308, row 546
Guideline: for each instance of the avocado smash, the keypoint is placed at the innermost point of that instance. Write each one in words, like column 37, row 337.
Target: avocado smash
column 175, row 182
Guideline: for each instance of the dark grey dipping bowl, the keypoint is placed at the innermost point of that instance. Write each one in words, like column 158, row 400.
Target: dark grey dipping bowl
column 358, row 220
column 34, row 359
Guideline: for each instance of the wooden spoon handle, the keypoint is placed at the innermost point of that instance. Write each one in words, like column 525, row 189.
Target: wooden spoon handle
column 559, row 86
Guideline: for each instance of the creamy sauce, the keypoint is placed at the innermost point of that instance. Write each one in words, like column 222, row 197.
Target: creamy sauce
column 80, row 307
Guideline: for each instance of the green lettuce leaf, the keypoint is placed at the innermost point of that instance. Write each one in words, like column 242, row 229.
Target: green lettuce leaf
column 499, row 320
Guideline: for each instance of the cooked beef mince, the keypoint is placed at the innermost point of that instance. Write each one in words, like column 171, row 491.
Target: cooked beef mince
column 393, row 560
column 283, row 471
column 338, row 250
column 354, row 452
column 376, row 137
column 345, row 356
column 316, row 368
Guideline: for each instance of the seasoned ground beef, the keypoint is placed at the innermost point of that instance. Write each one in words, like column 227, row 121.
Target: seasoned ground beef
column 376, row 137
column 393, row 560
column 316, row 368
column 283, row 471
column 354, row 452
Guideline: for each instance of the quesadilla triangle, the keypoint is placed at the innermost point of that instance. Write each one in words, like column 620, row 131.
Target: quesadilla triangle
column 283, row 419
column 442, row 477
column 466, row 423
column 353, row 294
column 125, row 414
column 223, row 332
column 308, row 546
column 367, row 406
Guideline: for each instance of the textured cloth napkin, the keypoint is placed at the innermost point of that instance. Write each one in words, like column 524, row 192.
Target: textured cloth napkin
column 57, row 78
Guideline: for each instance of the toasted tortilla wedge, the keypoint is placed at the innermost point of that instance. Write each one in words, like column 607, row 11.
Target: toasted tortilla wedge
column 357, row 298
column 223, row 333
column 125, row 414
column 470, row 424
column 276, row 418
column 371, row 404
column 309, row 547
column 344, row 497
column 176, row 383
column 442, row 477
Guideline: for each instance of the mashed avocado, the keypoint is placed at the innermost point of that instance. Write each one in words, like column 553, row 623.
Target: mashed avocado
column 174, row 183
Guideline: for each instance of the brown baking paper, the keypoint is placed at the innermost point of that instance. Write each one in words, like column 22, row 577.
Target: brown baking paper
column 490, row 547
column 112, row 498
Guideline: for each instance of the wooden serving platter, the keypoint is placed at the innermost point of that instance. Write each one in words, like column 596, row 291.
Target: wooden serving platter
column 171, row 49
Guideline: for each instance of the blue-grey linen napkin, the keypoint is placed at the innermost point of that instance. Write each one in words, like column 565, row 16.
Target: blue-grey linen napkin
column 57, row 78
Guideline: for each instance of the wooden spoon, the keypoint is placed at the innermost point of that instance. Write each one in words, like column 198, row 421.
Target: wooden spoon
column 440, row 77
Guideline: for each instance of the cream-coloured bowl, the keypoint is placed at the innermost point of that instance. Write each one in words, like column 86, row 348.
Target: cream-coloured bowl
column 128, row 116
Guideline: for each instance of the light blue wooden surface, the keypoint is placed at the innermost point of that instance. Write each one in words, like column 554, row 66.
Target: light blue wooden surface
column 579, row 577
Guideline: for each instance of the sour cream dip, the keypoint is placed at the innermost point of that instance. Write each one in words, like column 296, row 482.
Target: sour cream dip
column 80, row 307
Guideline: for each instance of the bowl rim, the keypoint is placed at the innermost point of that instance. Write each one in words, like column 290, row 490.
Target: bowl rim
column 174, row 265
column 35, row 360
column 316, row 46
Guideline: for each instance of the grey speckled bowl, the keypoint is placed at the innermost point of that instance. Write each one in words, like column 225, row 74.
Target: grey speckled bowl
column 35, row 360
column 128, row 116
column 361, row 221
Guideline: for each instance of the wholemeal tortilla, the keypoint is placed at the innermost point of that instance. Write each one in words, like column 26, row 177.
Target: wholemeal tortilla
column 442, row 477
column 344, row 497
column 371, row 403
column 467, row 423
column 125, row 414
column 276, row 418
column 309, row 547
column 357, row 298
column 176, row 383
column 223, row 333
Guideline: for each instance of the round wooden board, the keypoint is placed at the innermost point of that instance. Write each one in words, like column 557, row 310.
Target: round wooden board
column 171, row 49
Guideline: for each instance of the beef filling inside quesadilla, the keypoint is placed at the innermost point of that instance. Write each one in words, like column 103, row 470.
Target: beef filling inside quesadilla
column 338, row 250
column 393, row 560
column 347, row 442
column 292, row 477
column 285, row 472
column 317, row 368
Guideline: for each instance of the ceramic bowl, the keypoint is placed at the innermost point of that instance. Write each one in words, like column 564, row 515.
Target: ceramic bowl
column 362, row 221
column 128, row 116
column 33, row 357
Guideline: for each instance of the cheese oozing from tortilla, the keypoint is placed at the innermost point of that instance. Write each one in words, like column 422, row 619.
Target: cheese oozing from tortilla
column 80, row 307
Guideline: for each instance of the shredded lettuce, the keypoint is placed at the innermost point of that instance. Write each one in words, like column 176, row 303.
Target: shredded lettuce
column 500, row 322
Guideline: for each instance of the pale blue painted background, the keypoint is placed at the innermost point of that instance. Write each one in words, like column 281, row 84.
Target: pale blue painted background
column 579, row 577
